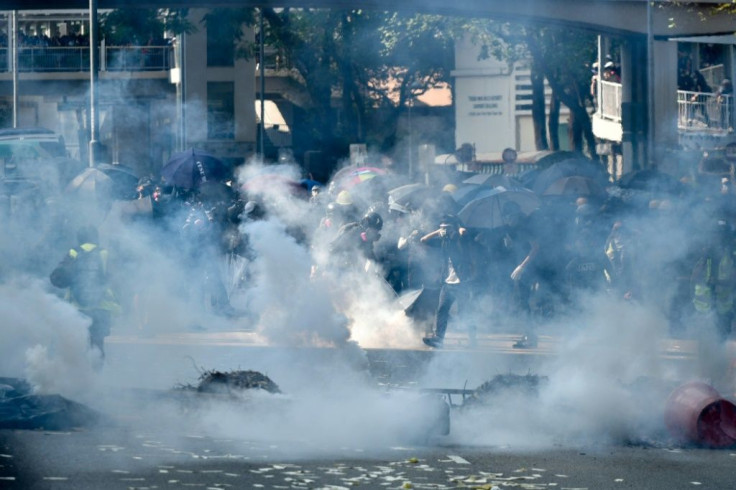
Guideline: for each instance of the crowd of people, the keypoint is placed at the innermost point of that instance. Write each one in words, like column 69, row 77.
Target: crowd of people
column 669, row 247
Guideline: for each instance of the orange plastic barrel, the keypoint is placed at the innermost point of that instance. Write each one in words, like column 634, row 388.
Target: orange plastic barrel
column 697, row 413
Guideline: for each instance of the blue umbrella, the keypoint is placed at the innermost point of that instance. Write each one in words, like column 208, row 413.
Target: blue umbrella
column 193, row 167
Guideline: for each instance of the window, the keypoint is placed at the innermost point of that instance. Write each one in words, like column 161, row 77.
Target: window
column 220, row 48
column 220, row 110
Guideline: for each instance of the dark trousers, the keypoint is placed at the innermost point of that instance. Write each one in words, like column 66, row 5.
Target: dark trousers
column 99, row 329
column 449, row 293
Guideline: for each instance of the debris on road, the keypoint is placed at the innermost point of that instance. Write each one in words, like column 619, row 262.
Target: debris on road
column 20, row 408
column 218, row 382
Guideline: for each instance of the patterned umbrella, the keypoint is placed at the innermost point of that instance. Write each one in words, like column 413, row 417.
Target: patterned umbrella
column 349, row 177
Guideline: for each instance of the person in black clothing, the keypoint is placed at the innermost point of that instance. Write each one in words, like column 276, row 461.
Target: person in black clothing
column 357, row 235
column 459, row 250
column 521, row 247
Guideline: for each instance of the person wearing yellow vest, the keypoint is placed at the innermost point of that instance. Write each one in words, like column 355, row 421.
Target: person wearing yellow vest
column 714, row 283
column 83, row 272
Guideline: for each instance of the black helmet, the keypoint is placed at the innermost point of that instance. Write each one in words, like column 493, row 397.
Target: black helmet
column 372, row 220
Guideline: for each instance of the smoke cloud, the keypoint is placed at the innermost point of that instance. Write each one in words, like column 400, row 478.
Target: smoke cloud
column 606, row 378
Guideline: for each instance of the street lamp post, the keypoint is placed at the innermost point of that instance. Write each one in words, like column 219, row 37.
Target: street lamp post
column 94, row 124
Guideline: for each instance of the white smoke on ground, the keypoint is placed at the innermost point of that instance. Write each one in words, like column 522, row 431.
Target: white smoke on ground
column 606, row 383
column 44, row 339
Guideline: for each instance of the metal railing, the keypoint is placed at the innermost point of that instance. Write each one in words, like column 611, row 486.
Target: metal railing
column 76, row 59
column 137, row 58
column 610, row 101
column 713, row 75
column 698, row 111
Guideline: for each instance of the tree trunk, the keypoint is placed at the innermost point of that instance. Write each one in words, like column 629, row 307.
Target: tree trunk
column 538, row 108
column 554, row 122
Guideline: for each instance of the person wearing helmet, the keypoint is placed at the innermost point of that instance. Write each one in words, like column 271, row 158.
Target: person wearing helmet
column 357, row 237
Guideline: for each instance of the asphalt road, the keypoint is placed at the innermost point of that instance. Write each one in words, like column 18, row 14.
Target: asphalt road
column 148, row 439
column 142, row 459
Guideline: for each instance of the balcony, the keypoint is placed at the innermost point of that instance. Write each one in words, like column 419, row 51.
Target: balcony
column 704, row 112
column 699, row 115
column 42, row 59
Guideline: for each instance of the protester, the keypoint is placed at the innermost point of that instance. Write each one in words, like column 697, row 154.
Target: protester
column 357, row 235
column 459, row 253
column 83, row 272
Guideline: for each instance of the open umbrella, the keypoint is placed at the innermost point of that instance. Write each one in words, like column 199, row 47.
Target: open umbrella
column 92, row 182
column 190, row 168
column 485, row 211
column 575, row 185
column 349, row 177
column 581, row 167
column 124, row 179
column 409, row 196
column 467, row 192
column 493, row 180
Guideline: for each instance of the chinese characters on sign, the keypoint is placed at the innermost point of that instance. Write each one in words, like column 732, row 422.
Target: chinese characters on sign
column 485, row 105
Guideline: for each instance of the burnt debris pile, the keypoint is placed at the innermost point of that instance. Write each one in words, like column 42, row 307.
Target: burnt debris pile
column 505, row 385
column 232, row 383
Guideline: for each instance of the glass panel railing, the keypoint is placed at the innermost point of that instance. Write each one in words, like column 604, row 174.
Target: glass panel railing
column 138, row 58
column 44, row 59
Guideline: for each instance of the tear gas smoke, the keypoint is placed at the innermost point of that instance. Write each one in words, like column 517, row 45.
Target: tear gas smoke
column 593, row 394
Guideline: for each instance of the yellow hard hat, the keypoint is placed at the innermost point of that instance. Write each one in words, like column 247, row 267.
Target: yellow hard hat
column 449, row 188
column 344, row 198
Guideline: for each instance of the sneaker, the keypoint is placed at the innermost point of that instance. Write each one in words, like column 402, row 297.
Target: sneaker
column 526, row 342
column 435, row 342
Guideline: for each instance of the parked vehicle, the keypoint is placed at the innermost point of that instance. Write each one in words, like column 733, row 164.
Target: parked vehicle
column 36, row 154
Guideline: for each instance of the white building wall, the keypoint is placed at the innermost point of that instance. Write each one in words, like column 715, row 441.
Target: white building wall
column 492, row 106
column 483, row 101
column 197, row 74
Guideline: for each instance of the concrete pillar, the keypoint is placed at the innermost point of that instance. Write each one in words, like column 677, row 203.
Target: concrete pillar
column 665, row 98
column 628, row 148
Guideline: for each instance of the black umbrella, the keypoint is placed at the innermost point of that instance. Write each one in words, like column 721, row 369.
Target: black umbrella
column 578, row 167
column 124, row 179
column 91, row 183
column 651, row 180
column 409, row 197
column 467, row 192
column 493, row 180
column 486, row 211
column 191, row 168
column 575, row 186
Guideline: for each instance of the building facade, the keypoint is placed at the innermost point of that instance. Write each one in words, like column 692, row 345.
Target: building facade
column 156, row 98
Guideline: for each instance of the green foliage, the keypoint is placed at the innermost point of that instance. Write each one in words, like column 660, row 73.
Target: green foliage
column 138, row 26
column 373, row 61
column 228, row 23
